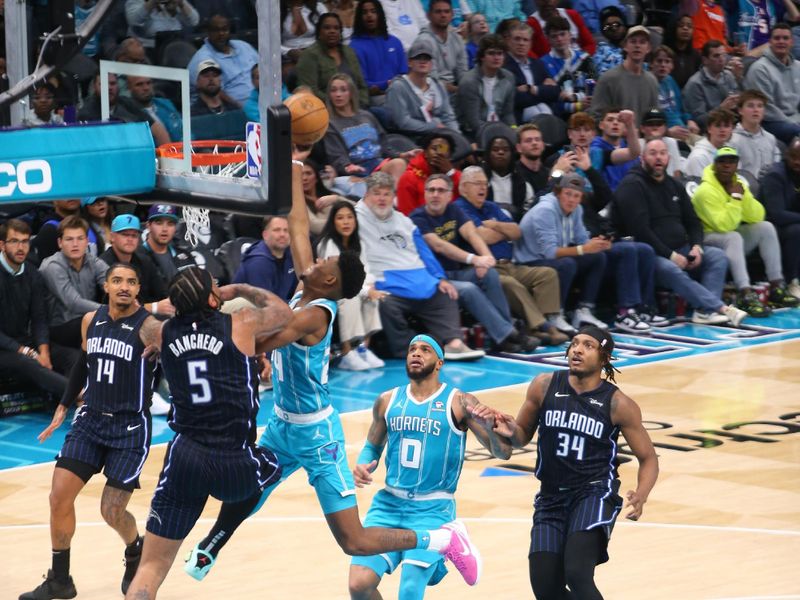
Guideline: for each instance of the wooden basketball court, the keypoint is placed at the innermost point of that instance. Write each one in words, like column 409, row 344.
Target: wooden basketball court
column 723, row 521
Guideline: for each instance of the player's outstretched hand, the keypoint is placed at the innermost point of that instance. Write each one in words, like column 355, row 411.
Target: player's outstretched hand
column 58, row 419
column 362, row 474
column 636, row 503
column 504, row 424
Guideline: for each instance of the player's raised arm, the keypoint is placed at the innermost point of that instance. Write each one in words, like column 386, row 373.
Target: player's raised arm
column 626, row 413
column 270, row 315
column 468, row 410
column 299, row 229
column 370, row 455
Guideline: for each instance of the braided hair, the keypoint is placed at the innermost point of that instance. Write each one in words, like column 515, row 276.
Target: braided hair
column 189, row 290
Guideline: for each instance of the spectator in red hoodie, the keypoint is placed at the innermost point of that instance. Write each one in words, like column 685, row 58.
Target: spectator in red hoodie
column 546, row 9
column 437, row 149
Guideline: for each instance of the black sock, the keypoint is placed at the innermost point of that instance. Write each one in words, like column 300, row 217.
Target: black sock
column 61, row 564
column 135, row 547
column 231, row 515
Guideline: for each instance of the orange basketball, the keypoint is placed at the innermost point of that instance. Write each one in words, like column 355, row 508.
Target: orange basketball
column 309, row 118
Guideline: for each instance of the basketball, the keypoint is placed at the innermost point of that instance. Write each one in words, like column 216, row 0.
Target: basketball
column 309, row 118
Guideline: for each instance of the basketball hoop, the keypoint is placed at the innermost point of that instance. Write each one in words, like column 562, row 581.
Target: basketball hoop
column 217, row 158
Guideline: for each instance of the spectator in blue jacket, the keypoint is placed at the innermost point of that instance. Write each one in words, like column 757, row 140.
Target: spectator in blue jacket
column 553, row 235
column 269, row 265
column 380, row 54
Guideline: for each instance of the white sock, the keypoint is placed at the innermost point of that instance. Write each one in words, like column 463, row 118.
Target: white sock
column 440, row 539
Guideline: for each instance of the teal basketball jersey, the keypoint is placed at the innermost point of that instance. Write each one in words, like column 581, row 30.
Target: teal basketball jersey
column 425, row 450
column 300, row 373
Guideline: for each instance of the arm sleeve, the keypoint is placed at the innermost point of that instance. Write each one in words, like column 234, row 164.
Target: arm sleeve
column 135, row 13
column 39, row 325
column 336, row 151
column 709, row 204
column 772, row 196
column 406, row 118
column 752, row 210
column 545, row 228
column 61, row 287
column 431, row 264
column 76, row 381
column 190, row 18
column 585, row 38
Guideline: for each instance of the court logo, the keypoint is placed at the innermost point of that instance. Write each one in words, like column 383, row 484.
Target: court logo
column 30, row 176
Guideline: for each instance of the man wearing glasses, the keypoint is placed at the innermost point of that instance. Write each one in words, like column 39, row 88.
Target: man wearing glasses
column 25, row 348
column 609, row 51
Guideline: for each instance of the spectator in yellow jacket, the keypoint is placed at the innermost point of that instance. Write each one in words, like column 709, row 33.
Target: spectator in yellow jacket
column 734, row 221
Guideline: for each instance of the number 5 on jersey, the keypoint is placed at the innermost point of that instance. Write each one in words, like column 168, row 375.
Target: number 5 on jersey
column 197, row 370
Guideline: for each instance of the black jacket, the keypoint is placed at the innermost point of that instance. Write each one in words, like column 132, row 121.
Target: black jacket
column 23, row 318
column 780, row 196
column 656, row 213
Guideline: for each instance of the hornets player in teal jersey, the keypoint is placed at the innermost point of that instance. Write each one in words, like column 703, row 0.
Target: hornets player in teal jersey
column 305, row 431
column 424, row 428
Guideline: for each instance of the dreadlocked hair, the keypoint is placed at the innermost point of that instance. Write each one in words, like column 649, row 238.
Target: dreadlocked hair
column 353, row 274
column 608, row 368
column 189, row 290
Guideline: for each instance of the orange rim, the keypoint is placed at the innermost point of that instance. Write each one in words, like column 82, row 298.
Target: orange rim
column 206, row 153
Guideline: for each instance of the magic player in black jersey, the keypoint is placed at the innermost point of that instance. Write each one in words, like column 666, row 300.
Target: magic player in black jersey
column 579, row 415
column 110, row 431
column 209, row 360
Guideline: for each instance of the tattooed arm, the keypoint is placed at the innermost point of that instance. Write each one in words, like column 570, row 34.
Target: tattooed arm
column 483, row 426
column 367, row 461
column 270, row 315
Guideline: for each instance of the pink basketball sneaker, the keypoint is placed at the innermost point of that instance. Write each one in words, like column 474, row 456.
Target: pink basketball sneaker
column 463, row 553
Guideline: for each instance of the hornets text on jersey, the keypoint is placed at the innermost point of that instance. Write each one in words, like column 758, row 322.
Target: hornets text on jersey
column 425, row 450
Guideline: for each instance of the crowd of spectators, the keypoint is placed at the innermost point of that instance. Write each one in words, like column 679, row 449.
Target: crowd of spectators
column 516, row 167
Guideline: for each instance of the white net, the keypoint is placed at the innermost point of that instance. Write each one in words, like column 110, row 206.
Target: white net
column 198, row 223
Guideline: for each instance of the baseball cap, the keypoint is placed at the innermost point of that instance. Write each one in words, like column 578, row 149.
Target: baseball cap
column 89, row 200
column 159, row 211
column 125, row 222
column 612, row 11
column 726, row 152
column 419, row 47
column 208, row 63
column 572, row 181
column 654, row 116
column 637, row 29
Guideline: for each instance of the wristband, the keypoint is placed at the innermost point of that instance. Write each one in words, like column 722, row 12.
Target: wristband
column 470, row 256
column 369, row 453
column 154, row 308
column 579, row 250
column 451, row 172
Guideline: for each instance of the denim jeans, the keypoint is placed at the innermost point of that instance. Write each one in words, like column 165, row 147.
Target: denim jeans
column 705, row 294
column 485, row 300
column 633, row 267
column 589, row 268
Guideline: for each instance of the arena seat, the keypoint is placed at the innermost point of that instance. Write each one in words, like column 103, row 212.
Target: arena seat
column 230, row 254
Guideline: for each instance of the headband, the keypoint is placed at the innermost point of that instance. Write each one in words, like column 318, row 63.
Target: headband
column 430, row 341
